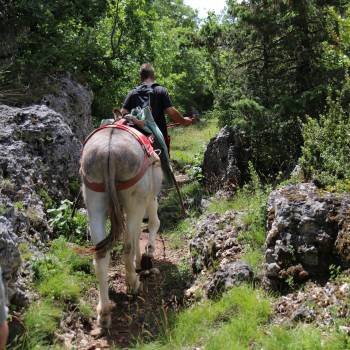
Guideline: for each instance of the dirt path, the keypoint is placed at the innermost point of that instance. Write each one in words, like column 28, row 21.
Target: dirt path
column 133, row 317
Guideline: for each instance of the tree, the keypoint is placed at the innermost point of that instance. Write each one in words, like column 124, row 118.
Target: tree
column 276, row 74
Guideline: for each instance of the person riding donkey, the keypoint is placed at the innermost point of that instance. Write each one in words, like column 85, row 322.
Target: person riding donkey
column 122, row 176
column 151, row 94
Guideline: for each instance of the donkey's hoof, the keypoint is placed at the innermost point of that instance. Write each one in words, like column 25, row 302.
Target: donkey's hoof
column 134, row 286
column 104, row 321
column 104, row 318
column 146, row 262
column 155, row 271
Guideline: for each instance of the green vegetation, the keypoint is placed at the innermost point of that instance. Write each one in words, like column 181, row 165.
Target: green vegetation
column 73, row 228
column 19, row 205
column 273, row 63
column 61, row 277
column 41, row 320
column 188, row 143
column 251, row 201
column 7, row 185
column 239, row 320
column 24, row 250
column 276, row 71
column 326, row 149
column 47, row 200
column 103, row 44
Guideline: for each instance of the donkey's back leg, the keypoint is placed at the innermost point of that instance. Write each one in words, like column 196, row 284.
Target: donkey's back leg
column 97, row 206
column 134, row 210
column 153, row 226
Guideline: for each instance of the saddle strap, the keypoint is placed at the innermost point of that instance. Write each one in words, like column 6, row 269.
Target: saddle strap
column 120, row 124
column 122, row 185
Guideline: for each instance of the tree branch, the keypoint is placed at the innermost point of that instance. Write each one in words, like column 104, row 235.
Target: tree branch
column 114, row 28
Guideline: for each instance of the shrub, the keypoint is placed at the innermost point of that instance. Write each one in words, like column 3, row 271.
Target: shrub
column 63, row 223
column 273, row 139
column 326, row 150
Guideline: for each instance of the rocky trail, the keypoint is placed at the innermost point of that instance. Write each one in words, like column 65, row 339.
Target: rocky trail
column 294, row 240
column 133, row 317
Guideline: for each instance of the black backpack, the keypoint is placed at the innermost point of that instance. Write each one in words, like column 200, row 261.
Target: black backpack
column 145, row 95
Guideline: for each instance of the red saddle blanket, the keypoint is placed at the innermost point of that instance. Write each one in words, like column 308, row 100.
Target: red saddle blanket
column 146, row 145
column 144, row 141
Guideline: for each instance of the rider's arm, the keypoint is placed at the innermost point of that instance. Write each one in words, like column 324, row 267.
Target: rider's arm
column 139, row 123
column 177, row 117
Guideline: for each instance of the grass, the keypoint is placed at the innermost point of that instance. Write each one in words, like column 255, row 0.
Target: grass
column 62, row 274
column 238, row 311
column 254, row 257
column 61, row 278
column 24, row 250
column 239, row 321
column 303, row 337
column 41, row 320
column 188, row 142
column 176, row 235
column 170, row 210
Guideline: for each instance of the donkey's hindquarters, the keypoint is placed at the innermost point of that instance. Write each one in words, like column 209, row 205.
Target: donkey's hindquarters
column 113, row 156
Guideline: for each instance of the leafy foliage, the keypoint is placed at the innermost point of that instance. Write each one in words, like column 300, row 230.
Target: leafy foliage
column 103, row 43
column 273, row 69
column 63, row 223
column 326, row 149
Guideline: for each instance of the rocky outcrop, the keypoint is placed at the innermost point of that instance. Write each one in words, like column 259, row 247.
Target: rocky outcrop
column 72, row 101
column 308, row 233
column 229, row 275
column 216, row 239
column 39, row 159
column 215, row 253
column 315, row 303
column 225, row 164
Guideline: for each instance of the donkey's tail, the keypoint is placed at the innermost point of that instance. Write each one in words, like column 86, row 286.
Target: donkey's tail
column 116, row 212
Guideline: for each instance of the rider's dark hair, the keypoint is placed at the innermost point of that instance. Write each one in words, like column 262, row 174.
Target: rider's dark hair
column 146, row 71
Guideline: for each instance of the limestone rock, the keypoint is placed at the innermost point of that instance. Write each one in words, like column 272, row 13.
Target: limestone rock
column 216, row 239
column 225, row 163
column 229, row 275
column 39, row 156
column 308, row 231
column 73, row 102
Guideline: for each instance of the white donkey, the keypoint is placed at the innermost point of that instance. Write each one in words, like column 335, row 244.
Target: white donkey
column 112, row 156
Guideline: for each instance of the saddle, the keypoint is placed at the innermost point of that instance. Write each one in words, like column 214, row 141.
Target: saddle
column 146, row 143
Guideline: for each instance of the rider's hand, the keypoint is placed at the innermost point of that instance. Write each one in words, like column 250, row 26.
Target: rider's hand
column 137, row 122
column 187, row 121
column 195, row 119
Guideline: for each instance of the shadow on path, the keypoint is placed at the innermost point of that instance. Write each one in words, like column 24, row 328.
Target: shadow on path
column 146, row 315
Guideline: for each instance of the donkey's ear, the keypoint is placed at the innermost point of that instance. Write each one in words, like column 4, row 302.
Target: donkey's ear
column 117, row 113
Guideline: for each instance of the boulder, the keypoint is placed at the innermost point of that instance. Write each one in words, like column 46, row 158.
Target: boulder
column 37, row 149
column 216, row 239
column 215, row 255
column 225, row 164
column 72, row 101
column 39, row 158
column 308, row 231
column 229, row 275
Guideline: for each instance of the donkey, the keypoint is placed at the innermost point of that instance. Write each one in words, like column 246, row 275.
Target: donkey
column 111, row 156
